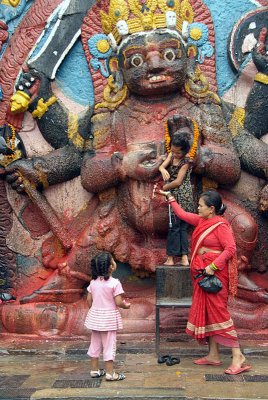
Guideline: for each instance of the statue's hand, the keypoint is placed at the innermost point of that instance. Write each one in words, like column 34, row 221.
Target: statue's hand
column 260, row 52
column 27, row 89
column 141, row 165
column 205, row 156
column 19, row 170
column 178, row 122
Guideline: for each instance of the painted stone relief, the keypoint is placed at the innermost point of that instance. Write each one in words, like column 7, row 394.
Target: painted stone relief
column 87, row 91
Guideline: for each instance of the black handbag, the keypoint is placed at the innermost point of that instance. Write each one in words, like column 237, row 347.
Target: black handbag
column 209, row 283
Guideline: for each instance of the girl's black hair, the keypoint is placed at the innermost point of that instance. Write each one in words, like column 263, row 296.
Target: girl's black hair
column 212, row 198
column 181, row 139
column 100, row 265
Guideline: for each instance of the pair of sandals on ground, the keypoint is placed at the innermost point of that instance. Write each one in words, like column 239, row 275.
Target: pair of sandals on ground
column 115, row 376
column 169, row 360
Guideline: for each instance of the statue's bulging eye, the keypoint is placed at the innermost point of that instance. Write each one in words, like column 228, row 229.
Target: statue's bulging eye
column 169, row 54
column 136, row 60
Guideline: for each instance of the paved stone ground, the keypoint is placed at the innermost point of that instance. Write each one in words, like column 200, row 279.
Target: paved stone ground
column 47, row 370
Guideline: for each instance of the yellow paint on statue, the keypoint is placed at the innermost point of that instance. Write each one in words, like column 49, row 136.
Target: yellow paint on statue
column 19, row 102
column 12, row 3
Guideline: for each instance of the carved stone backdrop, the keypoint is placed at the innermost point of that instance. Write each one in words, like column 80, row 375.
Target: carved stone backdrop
column 86, row 89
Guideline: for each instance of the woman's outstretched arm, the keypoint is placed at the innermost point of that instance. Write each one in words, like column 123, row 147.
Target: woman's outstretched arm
column 190, row 218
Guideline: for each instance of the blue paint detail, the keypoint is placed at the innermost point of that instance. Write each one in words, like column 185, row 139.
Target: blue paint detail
column 74, row 78
column 92, row 45
column 204, row 48
column 47, row 31
column 225, row 14
column 96, row 64
column 12, row 17
column 27, row 265
column 98, row 55
column 205, row 51
column 1, row 93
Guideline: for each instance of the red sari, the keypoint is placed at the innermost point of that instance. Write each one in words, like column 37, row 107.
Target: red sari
column 209, row 315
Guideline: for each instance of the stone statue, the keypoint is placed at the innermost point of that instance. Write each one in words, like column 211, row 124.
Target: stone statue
column 148, row 68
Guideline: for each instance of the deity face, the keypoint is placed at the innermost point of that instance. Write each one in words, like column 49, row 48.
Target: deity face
column 154, row 63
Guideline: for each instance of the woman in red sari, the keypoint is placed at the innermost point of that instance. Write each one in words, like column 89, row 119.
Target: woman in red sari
column 213, row 250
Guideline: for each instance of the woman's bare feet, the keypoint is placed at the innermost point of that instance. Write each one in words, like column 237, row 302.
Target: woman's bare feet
column 238, row 359
column 238, row 365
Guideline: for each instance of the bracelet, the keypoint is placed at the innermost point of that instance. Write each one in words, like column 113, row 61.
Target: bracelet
column 170, row 198
column 213, row 267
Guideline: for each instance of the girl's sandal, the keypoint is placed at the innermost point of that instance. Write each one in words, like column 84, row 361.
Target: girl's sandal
column 115, row 377
column 97, row 374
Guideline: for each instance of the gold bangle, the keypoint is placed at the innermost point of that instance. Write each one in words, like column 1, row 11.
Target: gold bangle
column 170, row 198
column 213, row 267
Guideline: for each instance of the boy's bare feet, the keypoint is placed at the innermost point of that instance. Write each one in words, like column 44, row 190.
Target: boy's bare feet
column 184, row 260
column 169, row 261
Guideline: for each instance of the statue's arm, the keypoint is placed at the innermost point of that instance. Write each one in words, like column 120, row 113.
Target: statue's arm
column 69, row 134
column 101, row 171
column 256, row 108
column 253, row 153
column 218, row 159
column 106, row 169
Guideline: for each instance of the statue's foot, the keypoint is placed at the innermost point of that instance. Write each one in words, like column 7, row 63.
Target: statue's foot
column 53, row 296
column 256, row 296
column 57, row 288
column 249, row 290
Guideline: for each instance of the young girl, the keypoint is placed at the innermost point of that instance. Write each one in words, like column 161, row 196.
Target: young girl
column 176, row 171
column 103, row 318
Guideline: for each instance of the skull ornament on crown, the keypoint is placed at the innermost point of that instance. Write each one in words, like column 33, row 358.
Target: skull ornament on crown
column 135, row 16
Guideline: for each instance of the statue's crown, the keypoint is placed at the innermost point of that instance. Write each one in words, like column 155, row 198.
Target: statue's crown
column 126, row 17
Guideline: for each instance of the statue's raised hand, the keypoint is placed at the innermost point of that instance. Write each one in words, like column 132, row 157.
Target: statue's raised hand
column 18, row 171
column 179, row 123
column 27, row 88
column 141, row 164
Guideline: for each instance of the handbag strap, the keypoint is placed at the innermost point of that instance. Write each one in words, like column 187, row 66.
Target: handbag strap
column 202, row 237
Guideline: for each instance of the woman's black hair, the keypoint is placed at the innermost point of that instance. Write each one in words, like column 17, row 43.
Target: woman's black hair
column 100, row 265
column 212, row 198
column 181, row 139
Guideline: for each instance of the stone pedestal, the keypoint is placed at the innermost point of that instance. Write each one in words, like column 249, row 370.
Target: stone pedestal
column 173, row 282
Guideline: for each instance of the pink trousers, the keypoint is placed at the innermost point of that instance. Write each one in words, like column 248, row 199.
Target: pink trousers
column 103, row 341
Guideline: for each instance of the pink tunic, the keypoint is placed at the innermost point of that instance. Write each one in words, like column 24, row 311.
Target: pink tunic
column 104, row 314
